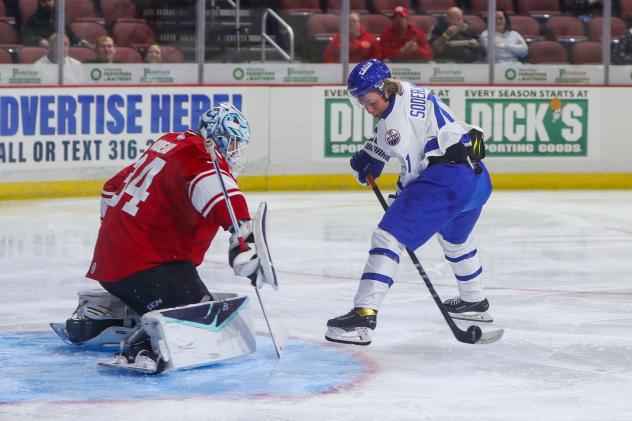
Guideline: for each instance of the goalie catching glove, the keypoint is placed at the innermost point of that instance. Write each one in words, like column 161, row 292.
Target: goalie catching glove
column 254, row 263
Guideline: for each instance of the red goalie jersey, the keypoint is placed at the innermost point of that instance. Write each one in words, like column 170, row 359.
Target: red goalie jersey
column 167, row 206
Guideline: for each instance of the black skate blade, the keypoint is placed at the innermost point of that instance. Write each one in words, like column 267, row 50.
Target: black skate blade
column 490, row 337
column 341, row 341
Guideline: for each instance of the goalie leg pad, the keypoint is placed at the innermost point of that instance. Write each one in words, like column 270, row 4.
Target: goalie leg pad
column 195, row 335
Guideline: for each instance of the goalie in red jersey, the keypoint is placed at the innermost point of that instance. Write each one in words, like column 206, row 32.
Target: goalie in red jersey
column 159, row 217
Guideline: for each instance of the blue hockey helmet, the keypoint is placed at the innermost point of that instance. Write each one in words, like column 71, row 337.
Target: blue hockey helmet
column 366, row 77
column 227, row 128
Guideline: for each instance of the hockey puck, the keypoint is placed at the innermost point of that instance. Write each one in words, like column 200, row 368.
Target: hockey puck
column 474, row 333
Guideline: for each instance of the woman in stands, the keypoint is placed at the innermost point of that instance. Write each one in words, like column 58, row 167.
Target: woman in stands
column 153, row 54
column 362, row 45
column 510, row 46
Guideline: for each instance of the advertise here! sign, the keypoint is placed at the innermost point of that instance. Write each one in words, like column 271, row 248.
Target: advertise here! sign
column 530, row 122
column 84, row 128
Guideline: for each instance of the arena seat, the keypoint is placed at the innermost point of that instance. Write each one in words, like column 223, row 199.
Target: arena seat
column 587, row 52
column 28, row 55
column 435, row 7
column 541, row 9
column 527, row 26
column 385, row 7
column 564, row 29
column 82, row 53
column 301, row 6
column 171, row 54
column 475, row 22
column 626, row 8
column 131, row 31
column 355, row 6
column 547, row 52
column 3, row 10
column 595, row 28
column 127, row 55
column 375, row 24
column 27, row 8
column 80, row 9
column 8, row 34
column 5, row 57
column 479, row 7
column 112, row 10
column 423, row 22
column 320, row 29
column 89, row 31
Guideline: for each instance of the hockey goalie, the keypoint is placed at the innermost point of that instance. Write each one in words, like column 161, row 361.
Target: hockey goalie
column 159, row 216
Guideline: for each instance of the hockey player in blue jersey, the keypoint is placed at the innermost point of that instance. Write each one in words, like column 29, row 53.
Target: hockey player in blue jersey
column 441, row 190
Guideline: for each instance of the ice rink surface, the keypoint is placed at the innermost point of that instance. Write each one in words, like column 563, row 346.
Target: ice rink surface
column 557, row 269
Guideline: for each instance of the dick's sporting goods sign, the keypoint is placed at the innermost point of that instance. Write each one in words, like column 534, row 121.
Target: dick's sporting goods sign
column 530, row 122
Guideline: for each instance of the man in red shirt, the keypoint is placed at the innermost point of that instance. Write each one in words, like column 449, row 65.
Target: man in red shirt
column 401, row 41
column 160, row 214
column 362, row 45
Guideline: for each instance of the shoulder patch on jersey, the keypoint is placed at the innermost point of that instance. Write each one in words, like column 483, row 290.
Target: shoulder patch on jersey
column 392, row 137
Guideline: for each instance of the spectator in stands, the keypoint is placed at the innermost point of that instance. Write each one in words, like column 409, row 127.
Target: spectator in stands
column 362, row 45
column 153, row 54
column 51, row 57
column 622, row 53
column 401, row 41
column 41, row 25
column 105, row 50
column 453, row 40
column 510, row 46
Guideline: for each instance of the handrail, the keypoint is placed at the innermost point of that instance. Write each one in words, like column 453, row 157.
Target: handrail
column 265, row 37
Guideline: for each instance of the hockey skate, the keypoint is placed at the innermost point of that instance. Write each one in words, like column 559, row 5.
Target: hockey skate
column 465, row 310
column 352, row 328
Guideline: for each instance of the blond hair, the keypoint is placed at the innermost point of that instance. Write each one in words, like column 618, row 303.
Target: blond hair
column 392, row 86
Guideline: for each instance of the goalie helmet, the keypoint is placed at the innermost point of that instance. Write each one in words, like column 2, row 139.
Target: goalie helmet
column 366, row 77
column 226, row 127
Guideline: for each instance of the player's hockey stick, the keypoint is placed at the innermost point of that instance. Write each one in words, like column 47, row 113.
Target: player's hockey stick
column 473, row 334
column 240, row 237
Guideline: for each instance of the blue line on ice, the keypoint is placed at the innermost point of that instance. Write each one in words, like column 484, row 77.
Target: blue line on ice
column 38, row 367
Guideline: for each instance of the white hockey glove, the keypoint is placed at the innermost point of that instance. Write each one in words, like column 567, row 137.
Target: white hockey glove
column 244, row 263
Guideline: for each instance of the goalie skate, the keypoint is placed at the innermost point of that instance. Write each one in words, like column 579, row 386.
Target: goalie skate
column 464, row 310
column 352, row 328
column 141, row 363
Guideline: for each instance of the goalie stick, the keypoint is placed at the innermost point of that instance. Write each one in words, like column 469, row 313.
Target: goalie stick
column 473, row 334
column 242, row 242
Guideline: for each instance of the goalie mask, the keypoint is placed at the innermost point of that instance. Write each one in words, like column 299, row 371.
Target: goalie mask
column 227, row 128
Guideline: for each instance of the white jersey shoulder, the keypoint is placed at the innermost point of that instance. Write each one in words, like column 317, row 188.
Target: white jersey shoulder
column 411, row 127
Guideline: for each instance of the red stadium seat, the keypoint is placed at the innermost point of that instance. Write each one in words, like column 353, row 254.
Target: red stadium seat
column 80, row 9
column 3, row 10
column 595, row 28
column 8, row 34
column 539, row 8
column 588, row 52
column 375, row 24
column 626, row 8
column 127, row 55
column 528, row 27
column 89, row 31
column 423, row 22
column 301, row 6
column 112, row 10
column 27, row 8
column 29, row 55
column 564, row 28
column 323, row 25
column 355, row 6
column 479, row 7
column 547, row 52
column 475, row 22
column 127, row 32
column 386, row 7
column 435, row 7
column 82, row 53
column 171, row 54
column 5, row 57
